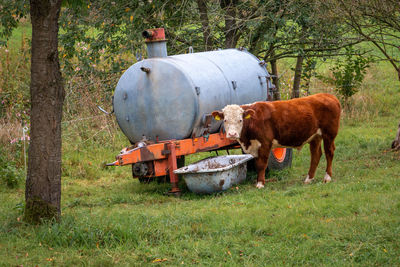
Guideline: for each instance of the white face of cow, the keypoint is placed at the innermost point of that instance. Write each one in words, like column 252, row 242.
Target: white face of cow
column 233, row 121
column 233, row 116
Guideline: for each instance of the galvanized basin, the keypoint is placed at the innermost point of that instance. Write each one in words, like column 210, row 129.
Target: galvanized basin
column 215, row 174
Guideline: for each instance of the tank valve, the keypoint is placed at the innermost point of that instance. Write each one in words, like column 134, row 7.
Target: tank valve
column 144, row 69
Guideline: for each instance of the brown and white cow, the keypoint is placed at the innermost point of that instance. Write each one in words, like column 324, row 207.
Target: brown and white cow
column 262, row 126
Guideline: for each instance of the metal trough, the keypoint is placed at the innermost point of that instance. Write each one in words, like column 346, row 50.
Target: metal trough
column 215, row 174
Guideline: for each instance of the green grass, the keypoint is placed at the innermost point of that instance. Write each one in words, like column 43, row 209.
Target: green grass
column 23, row 31
column 108, row 218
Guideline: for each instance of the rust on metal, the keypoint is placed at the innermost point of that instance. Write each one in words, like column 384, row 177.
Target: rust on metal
column 145, row 154
column 144, row 69
column 154, row 35
column 165, row 151
column 205, row 149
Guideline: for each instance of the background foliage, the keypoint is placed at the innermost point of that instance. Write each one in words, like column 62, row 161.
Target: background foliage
column 348, row 74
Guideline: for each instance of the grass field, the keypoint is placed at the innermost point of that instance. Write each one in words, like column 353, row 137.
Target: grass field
column 108, row 218
column 115, row 220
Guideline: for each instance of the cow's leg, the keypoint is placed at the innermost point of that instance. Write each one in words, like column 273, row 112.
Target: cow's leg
column 316, row 152
column 261, row 166
column 329, row 148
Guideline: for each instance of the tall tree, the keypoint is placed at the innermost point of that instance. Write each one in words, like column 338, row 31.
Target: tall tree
column 231, row 26
column 43, row 183
column 297, row 76
column 202, row 6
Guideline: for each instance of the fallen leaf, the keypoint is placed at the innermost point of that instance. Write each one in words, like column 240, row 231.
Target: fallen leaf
column 159, row 260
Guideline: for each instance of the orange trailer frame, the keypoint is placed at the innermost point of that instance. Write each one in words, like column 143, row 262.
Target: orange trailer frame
column 161, row 157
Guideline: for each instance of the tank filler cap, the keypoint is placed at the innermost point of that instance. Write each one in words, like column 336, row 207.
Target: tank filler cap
column 154, row 35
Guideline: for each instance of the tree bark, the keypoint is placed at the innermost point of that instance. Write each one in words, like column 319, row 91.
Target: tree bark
column 275, row 79
column 205, row 24
column 297, row 77
column 43, row 183
column 231, row 36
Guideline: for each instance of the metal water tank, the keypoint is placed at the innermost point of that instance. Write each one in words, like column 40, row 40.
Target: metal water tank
column 169, row 97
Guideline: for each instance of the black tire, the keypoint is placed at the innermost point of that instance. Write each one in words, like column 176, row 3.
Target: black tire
column 180, row 162
column 283, row 162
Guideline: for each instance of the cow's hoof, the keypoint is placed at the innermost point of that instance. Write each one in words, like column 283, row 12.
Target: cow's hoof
column 259, row 185
column 308, row 180
column 327, row 178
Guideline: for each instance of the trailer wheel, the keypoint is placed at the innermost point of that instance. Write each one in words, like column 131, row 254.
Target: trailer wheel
column 280, row 158
column 160, row 179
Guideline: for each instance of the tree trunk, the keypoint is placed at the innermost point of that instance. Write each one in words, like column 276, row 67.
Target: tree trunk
column 43, row 183
column 275, row 79
column 202, row 6
column 396, row 141
column 297, row 77
column 231, row 36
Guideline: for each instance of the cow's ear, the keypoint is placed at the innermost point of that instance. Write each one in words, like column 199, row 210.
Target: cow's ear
column 218, row 115
column 249, row 113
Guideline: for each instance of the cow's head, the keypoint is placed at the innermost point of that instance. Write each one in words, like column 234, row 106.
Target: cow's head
column 233, row 116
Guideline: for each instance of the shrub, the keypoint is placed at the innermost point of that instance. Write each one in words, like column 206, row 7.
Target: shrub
column 348, row 74
column 10, row 175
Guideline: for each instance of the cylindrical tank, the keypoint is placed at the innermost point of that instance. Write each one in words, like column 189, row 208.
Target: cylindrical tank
column 164, row 98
